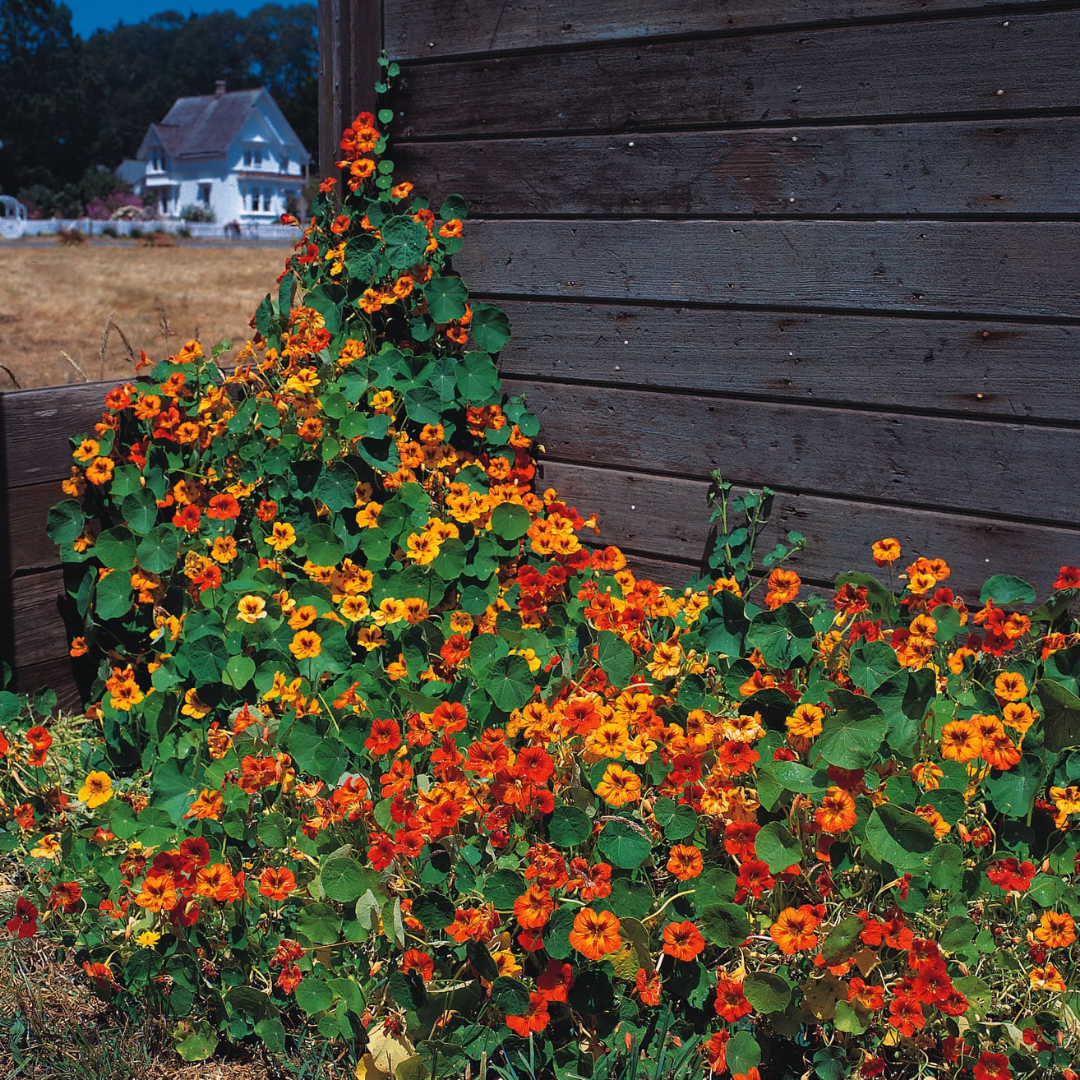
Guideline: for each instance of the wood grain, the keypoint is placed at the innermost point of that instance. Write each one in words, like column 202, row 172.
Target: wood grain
column 913, row 70
column 926, row 462
column 38, row 612
column 433, row 28
column 963, row 167
column 840, row 531
column 29, row 546
column 1007, row 268
column 57, row 675
column 986, row 368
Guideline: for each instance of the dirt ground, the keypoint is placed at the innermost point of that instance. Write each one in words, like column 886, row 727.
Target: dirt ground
column 56, row 299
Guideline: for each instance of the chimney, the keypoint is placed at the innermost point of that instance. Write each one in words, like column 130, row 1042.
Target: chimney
column 219, row 88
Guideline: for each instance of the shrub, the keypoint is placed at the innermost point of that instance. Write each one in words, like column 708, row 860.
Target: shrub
column 195, row 212
column 388, row 754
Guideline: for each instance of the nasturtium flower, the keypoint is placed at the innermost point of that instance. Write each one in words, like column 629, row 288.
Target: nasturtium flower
column 683, row 940
column 96, row 790
column 595, row 933
column 277, row 882
column 158, row 892
column 685, row 862
column 806, row 721
column 48, row 847
column 837, row 811
column 147, row 939
column 535, row 1017
column 731, row 1003
column 1056, row 929
column 1047, row 978
column 306, row 644
column 783, row 586
column 619, row 786
column 793, row 930
column 251, row 609
column 533, row 909
column 1010, row 686
column 960, row 741
column 885, row 551
column 282, row 536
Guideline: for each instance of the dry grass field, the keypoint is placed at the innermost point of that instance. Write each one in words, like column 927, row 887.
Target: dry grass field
column 56, row 299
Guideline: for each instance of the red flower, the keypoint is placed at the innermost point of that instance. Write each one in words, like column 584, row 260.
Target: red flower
column 535, row 1018
column 223, row 507
column 556, row 980
column 415, row 960
column 385, row 736
column 187, row 518
column 992, row 1066
column 648, row 986
column 1068, row 578
column 23, row 923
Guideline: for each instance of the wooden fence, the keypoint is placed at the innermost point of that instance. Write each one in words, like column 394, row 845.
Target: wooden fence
column 833, row 247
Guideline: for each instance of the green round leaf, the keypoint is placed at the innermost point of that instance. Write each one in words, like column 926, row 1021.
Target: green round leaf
column 511, row 522
column 852, row 737
column 115, row 548
column 899, row 837
column 313, row 995
column 623, row 845
column 490, row 327
column 65, row 521
column 446, row 298
column 454, row 206
column 767, row 992
column 503, row 888
column 510, row 683
column 569, row 825
column 783, row 636
column 405, row 241
column 114, row 596
column 476, row 376
column 322, row 545
column 776, row 847
column 157, row 550
column 434, row 910
column 510, row 995
column 343, row 879
column 615, row 657
column 1005, row 589
column 724, row 924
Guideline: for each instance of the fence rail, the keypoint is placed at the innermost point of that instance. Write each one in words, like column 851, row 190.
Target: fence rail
column 270, row 231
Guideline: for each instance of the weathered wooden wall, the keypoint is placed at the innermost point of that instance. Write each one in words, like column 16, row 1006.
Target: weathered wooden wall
column 833, row 247
column 36, row 620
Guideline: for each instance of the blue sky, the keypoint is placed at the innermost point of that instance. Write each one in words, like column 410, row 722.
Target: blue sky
column 90, row 15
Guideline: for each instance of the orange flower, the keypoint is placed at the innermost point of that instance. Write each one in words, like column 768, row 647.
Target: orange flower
column 960, row 741
column 783, row 587
column 533, row 909
column 619, row 786
column 217, row 882
column 1010, row 686
column 415, row 960
column 886, row 551
column 158, row 892
column 731, row 1003
column 210, row 805
column 535, row 1017
column 648, row 986
column 277, row 882
column 685, row 862
column 1056, row 929
column 805, row 721
column 867, row 997
column 837, row 811
column 223, row 507
column 793, row 930
column 306, row 643
column 595, row 933
column 683, row 940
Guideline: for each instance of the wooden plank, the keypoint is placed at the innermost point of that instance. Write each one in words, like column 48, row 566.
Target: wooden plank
column 57, row 675
column 840, row 531
column 38, row 614
column 350, row 40
column 1001, row 267
column 935, row 68
column 983, row 368
column 29, row 546
column 966, row 167
column 1017, row 470
column 37, row 425
column 432, row 28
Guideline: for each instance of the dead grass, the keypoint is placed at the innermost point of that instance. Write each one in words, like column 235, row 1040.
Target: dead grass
column 56, row 299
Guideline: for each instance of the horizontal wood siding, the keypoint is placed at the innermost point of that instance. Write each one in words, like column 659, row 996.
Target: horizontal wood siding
column 828, row 247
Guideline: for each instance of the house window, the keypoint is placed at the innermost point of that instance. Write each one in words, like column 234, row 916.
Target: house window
column 285, row 163
column 268, row 196
column 253, row 157
column 156, row 162
column 165, row 198
column 204, row 194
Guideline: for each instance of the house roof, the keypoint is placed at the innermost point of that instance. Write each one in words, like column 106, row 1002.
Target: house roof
column 204, row 126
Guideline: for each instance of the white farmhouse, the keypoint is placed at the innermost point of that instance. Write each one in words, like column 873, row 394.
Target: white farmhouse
column 233, row 153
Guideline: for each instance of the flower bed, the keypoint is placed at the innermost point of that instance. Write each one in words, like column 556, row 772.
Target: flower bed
column 387, row 755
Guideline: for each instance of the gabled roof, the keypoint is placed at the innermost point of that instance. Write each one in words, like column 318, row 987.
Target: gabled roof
column 204, row 126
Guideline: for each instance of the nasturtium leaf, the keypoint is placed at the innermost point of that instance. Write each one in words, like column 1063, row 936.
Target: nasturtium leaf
column 446, row 298
column 434, row 910
column 899, row 837
column 766, row 991
column 239, row 671
column 1061, row 712
column 1013, row 792
column 503, row 888
column 624, row 845
column 140, row 511
column 272, row 1033
column 743, row 1052
column 846, row 1019
column 784, row 636
column 65, row 522
column 842, row 939
column 615, row 657
column 1004, row 589
column 724, row 625
column 336, row 487
column 476, row 376
column 681, row 824
column 852, row 736
column 510, row 683
column 114, row 595
column 313, row 995
column 206, row 658
column 323, row 546
column 405, row 240
column 454, row 206
column 195, row 1040
column 776, row 847
column 903, row 699
column 794, row 776
column 157, row 550
column 569, row 825
column 715, row 885
column 319, row 924
column 871, row 664
column 510, row 995
column 482, row 961
column 978, row 993
column 947, row 867
column 344, row 879
column 273, row 830
column 423, row 405
column 510, row 521
column 490, row 328
column 630, row 899
column 354, row 425
column 724, row 924
column 959, row 932
column 948, row 622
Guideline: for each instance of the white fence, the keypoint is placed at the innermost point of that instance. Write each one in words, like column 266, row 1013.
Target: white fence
column 262, row 231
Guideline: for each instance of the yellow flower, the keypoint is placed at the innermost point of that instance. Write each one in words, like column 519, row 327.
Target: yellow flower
column 619, row 786
column 667, row 658
column 282, row 536
column 147, row 939
column 96, row 790
column 305, row 643
column 250, row 609
column 48, row 847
